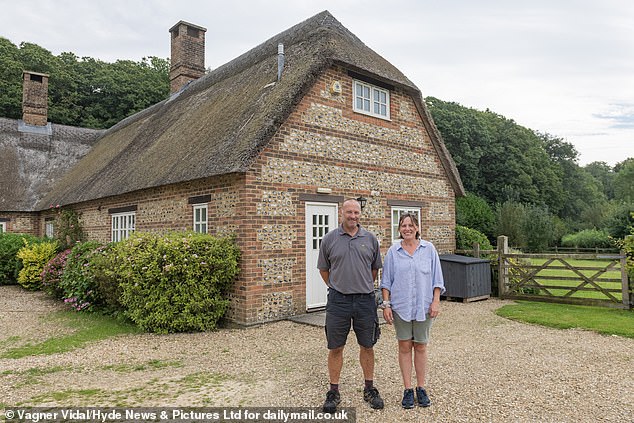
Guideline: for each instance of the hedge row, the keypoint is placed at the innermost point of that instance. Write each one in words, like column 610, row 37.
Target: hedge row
column 165, row 283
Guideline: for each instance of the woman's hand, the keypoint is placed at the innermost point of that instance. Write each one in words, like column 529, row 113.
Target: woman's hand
column 434, row 308
column 388, row 316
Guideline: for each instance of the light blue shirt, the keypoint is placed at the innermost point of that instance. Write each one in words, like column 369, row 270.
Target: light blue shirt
column 411, row 279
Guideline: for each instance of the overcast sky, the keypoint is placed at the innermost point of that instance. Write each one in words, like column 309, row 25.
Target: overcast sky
column 563, row 67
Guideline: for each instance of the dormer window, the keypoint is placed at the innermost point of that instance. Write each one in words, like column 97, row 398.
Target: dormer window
column 371, row 100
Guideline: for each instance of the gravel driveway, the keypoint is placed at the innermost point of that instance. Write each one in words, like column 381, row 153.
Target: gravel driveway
column 483, row 368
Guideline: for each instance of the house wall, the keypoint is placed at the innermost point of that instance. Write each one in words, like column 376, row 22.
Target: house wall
column 324, row 143
column 21, row 222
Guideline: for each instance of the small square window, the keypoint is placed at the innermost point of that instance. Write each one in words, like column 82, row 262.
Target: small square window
column 371, row 100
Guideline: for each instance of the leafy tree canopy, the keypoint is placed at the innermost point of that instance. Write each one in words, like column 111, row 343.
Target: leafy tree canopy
column 83, row 92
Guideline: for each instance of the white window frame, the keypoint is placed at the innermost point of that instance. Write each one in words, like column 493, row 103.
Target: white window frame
column 49, row 229
column 3, row 227
column 371, row 100
column 200, row 225
column 122, row 225
column 396, row 214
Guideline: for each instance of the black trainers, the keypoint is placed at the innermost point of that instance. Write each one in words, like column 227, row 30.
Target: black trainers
column 373, row 397
column 421, row 397
column 332, row 401
column 408, row 398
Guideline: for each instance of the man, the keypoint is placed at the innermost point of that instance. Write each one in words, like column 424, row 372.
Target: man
column 349, row 260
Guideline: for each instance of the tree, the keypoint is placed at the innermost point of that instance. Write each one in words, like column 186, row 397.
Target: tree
column 84, row 91
column 603, row 174
column 624, row 180
column 510, row 219
column 539, row 228
column 10, row 80
column 498, row 160
column 475, row 213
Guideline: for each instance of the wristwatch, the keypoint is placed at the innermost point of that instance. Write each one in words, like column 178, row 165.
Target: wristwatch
column 385, row 304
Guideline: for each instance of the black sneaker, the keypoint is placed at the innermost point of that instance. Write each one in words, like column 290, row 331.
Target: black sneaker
column 332, row 401
column 373, row 397
column 421, row 397
column 408, row 398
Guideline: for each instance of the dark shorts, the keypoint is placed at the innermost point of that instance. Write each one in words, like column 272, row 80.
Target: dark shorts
column 356, row 310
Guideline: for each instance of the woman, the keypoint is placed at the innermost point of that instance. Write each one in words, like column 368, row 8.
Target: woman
column 411, row 286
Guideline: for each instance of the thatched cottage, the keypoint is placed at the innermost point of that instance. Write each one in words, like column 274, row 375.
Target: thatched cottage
column 267, row 147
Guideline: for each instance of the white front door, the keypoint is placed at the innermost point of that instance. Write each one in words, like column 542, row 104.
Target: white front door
column 320, row 219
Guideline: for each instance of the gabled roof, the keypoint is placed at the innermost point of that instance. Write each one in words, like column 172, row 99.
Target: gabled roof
column 219, row 123
column 33, row 157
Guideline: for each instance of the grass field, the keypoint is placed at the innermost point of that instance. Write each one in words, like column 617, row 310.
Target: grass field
column 552, row 277
column 603, row 320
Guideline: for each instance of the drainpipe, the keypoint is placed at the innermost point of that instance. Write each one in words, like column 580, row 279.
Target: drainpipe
column 280, row 60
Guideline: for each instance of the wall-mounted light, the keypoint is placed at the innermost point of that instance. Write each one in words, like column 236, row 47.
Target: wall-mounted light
column 362, row 202
column 321, row 190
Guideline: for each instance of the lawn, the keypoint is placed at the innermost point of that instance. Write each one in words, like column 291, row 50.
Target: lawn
column 87, row 327
column 603, row 320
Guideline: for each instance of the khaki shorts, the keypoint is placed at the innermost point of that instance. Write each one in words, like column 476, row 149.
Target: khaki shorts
column 412, row 331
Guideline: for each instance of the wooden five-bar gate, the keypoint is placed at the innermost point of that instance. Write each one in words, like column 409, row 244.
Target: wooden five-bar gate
column 588, row 279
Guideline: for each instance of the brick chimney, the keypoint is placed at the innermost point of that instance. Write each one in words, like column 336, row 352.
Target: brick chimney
column 35, row 98
column 188, row 54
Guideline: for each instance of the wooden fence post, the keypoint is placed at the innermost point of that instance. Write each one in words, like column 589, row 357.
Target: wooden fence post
column 628, row 297
column 476, row 250
column 503, row 273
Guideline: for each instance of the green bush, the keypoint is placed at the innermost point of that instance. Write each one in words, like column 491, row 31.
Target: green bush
column 175, row 282
column 510, row 220
column 34, row 257
column 474, row 212
column 52, row 274
column 627, row 245
column 104, row 265
column 588, row 238
column 466, row 237
column 77, row 281
column 10, row 265
column 539, row 228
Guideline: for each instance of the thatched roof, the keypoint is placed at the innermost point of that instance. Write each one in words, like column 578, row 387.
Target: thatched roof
column 32, row 158
column 219, row 123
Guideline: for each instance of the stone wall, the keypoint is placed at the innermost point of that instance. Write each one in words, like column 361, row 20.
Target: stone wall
column 22, row 222
column 325, row 144
column 322, row 144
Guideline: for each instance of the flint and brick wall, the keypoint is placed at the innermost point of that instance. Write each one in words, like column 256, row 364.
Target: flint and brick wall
column 325, row 144
column 22, row 223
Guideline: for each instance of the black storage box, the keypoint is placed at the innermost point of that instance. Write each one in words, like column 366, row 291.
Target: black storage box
column 466, row 278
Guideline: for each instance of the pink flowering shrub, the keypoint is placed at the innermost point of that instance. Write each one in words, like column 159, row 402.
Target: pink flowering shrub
column 78, row 281
column 52, row 274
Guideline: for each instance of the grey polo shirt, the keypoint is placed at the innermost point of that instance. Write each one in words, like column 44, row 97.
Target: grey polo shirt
column 350, row 260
